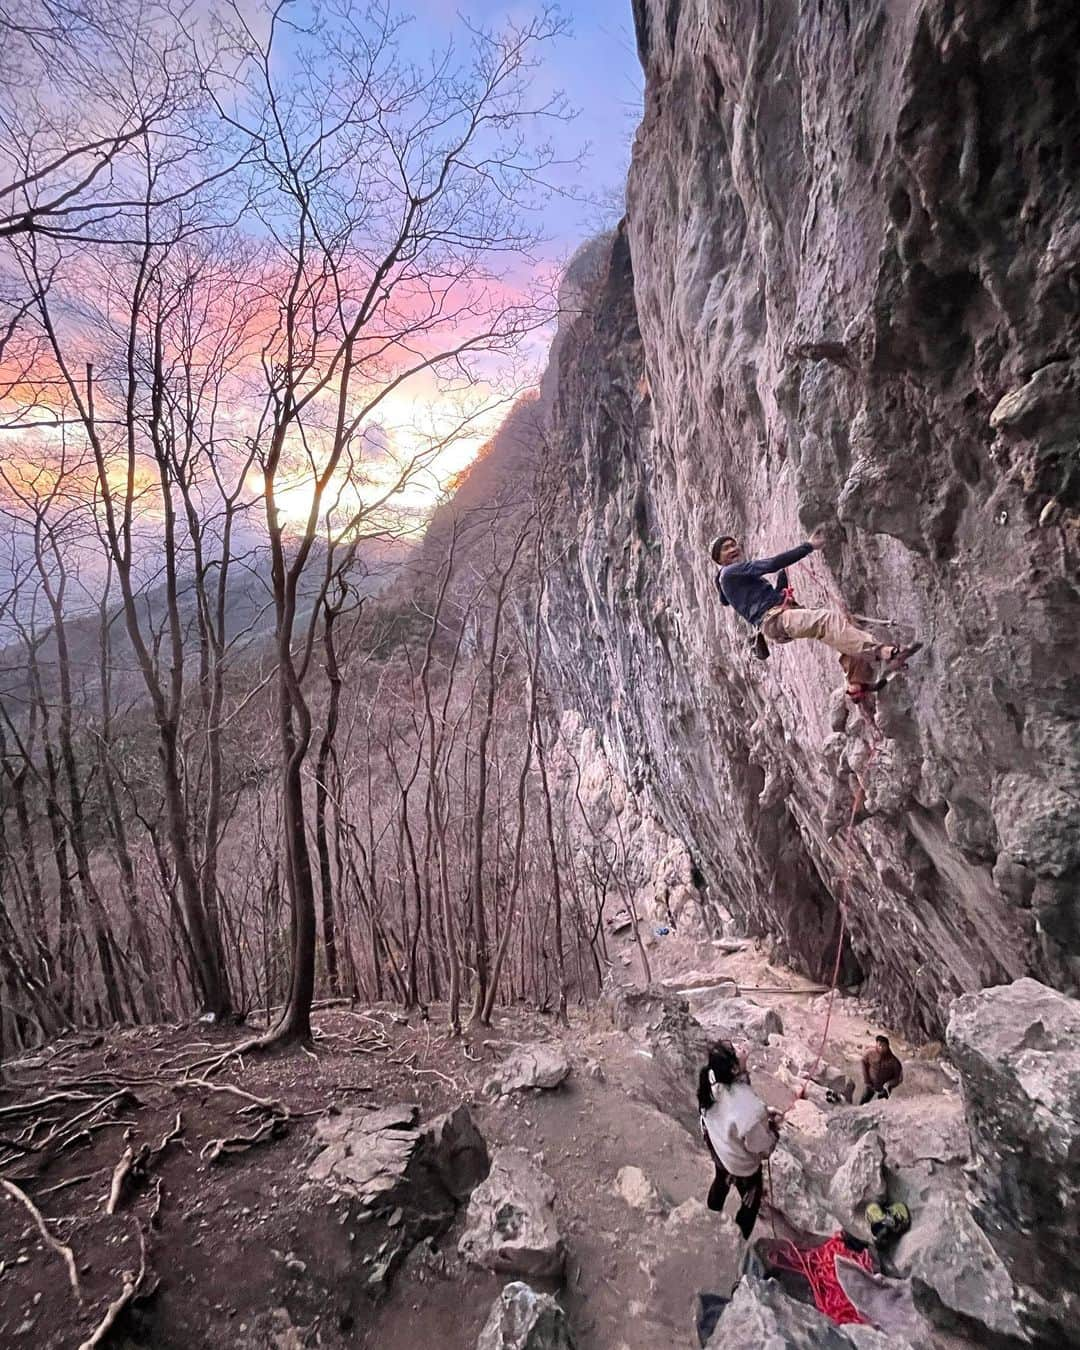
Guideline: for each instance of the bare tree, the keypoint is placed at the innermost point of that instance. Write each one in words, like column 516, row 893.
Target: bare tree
column 225, row 304
column 389, row 192
column 85, row 85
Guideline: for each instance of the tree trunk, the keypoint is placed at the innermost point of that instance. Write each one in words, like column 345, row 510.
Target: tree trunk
column 326, row 759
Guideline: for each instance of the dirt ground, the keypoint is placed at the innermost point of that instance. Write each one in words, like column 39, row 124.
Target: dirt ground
column 237, row 1252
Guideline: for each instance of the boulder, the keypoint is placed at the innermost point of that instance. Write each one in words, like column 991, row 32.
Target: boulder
column 454, row 1149
column 366, row 1153
column 660, row 1022
column 694, row 1249
column 858, row 1180
column 522, row 1319
column 957, row 1279
column 885, row 1303
column 795, row 1060
column 915, row 1130
column 808, row 1119
column 1017, row 1048
column 539, row 1066
column 761, row 1316
column 402, row 1180
column 639, row 1192
column 870, row 1338
column 386, row 1160
column 792, row 1192
column 510, row 1223
column 735, row 1018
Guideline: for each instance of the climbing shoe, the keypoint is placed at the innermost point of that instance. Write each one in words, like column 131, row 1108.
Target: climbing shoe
column 901, row 655
column 887, row 1222
column 900, row 1216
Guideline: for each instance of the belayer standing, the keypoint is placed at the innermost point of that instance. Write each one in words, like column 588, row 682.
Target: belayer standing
column 772, row 610
column 739, row 1131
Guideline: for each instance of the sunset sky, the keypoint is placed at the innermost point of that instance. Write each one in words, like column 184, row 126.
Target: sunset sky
column 594, row 65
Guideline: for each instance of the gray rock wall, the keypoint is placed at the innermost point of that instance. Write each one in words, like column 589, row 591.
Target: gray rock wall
column 846, row 290
column 1018, row 1052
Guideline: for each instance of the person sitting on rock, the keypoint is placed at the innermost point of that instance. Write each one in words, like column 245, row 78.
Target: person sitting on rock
column 882, row 1071
column 739, row 1132
column 772, row 610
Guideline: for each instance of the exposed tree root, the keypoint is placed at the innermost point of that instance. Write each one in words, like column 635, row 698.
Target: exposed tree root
column 132, row 1284
column 259, row 1103
column 155, row 1208
column 34, row 1108
column 279, row 1038
column 87, row 1120
column 133, row 1169
column 71, row 1181
column 54, row 1244
column 216, row 1150
column 63, row 1133
column 253, row 1045
column 120, row 1179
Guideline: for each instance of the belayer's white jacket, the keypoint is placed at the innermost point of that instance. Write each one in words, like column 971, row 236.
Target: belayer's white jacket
column 737, row 1127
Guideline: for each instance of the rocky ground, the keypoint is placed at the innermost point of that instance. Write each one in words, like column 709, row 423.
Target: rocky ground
column 337, row 1198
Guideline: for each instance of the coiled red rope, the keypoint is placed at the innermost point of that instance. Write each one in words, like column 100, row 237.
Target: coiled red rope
column 818, row 1268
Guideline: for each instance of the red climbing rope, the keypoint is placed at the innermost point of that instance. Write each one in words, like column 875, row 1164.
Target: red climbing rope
column 845, row 879
column 841, row 901
column 818, row 1267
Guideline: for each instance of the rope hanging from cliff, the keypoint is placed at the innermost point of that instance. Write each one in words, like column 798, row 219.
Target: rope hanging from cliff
column 858, row 798
column 818, row 1266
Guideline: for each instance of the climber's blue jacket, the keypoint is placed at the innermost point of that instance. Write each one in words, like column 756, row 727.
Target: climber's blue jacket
column 741, row 584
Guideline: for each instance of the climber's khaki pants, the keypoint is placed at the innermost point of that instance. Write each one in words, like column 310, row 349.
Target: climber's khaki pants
column 784, row 625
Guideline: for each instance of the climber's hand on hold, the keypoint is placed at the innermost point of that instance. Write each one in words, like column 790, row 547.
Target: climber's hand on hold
column 819, row 538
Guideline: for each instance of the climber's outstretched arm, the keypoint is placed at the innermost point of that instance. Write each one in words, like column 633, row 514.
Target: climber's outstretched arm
column 763, row 566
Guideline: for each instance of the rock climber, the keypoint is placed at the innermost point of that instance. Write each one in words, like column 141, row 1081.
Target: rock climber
column 739, row 1131
column 774, row 613
column 882, row 1071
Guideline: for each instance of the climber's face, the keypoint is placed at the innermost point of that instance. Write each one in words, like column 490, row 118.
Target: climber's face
column 730, row 552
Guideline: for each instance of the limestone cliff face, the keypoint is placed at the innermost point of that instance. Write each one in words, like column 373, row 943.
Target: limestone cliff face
column 846, row 290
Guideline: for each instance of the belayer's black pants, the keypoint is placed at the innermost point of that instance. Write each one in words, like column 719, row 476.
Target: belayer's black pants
column 751, row 1190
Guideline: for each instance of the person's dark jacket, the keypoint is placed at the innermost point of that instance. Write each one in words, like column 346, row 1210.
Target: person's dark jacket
column 742, row 585
column 881, row 1069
